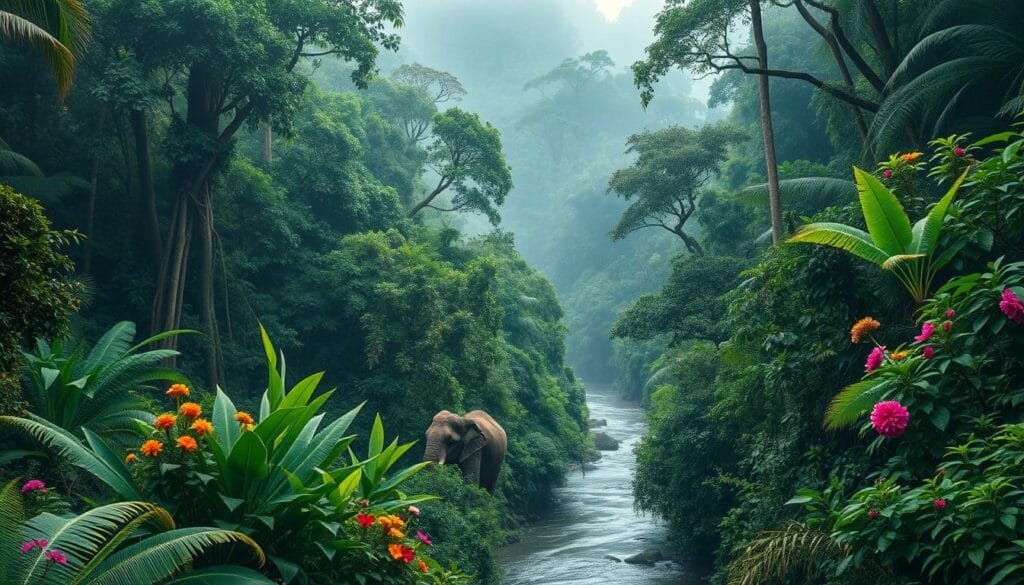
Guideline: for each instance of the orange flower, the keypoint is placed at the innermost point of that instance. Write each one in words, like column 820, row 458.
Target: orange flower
column 400, row 552
column 910, row 156
column 248, row 426
column 244, row 417
column 423, row 567
column 391, row 521
column 395, row 533
column 187, row 444
column 898, row 355
column 151, row 448
column 165, row 422
column 191, row 409
column 178, row 390
column 862, row 328
column 130, row 458
column 202, row 426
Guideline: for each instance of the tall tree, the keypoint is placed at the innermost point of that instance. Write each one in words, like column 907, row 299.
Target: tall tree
column 467, row 157
column 764, row 95
column 230, row 64
column 672, row 167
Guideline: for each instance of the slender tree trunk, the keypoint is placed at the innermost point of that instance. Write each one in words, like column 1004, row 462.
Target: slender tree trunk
column 214, row 362
column 150, row 224
column 766, row 123
column 268, row 142
column 90, row 231
column 882, row 44
column 441, row 186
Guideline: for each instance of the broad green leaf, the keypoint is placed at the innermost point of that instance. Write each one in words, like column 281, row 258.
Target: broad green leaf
column 887, row 223
column 247, row 463
column 226, row 427
column 927, row 236
column 222, row 575
column 844, row 237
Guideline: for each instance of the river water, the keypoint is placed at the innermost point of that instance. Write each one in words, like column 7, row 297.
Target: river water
column 594, row 517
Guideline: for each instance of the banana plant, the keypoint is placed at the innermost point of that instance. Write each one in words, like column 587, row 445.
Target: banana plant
column 908, row 252
column 116, row 544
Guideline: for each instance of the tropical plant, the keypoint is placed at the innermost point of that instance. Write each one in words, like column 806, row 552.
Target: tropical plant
column 117, row 544
column 277, row 476
column 59, row 29
column 909, row 253
column 98, row 390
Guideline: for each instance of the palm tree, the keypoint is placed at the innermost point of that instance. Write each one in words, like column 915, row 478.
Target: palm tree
column 59, row 29
column 890, row 242
column 968, row 62
column 121, row 543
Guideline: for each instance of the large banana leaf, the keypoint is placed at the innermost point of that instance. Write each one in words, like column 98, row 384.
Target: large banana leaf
column 887, row 222
column 844, row 237
column 222, row 575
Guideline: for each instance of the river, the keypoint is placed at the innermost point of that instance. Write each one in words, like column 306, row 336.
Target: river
column 594, row 517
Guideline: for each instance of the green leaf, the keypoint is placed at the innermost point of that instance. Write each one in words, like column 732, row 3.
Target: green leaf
column 225, row 426
column 844, row 237
column 887, row 223
column 940, row 418
column 247, row 463
column 926, row 232
column 222, row 575
column 853, row 401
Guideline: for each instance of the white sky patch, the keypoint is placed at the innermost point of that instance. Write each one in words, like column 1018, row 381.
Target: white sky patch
column 610, row 9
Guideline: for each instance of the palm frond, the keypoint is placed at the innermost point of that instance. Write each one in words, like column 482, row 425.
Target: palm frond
column 773, row 555
column 852, row 402
column 844, row 237
column 222, row 575
column 58, row 56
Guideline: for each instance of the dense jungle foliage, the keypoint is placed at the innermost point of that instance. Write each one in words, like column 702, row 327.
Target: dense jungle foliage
column 791, row 229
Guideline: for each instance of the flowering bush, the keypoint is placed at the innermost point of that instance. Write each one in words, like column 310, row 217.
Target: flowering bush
column 279, row 478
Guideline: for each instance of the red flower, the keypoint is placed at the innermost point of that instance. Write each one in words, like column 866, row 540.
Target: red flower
column 365, row 520
column 890, row 418
column 400, row 552
column 940, row 504
column 947, row 325
column 1011, row 306
column 886, row 174
column 873, row 514
column 959, row 151
column 950, row 313
column 929, row 352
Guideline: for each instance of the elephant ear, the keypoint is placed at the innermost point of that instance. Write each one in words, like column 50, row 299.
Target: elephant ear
column 472, row 441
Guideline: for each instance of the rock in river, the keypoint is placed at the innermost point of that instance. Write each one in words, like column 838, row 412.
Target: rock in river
column 603, row 442
column 597, row 422
column 648, row 557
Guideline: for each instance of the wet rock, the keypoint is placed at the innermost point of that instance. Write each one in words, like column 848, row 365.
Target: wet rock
column 613, row 558
column 604, row 442
column 596, row 422
column 589, row 467
column 648, row 557
column 592, row 455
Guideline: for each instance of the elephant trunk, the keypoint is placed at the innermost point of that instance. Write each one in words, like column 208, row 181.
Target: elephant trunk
column 434, row 451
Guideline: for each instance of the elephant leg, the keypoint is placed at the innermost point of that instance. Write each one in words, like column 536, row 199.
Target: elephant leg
column 471, row 469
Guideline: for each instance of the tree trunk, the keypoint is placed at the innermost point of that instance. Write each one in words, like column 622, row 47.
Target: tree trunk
column 214, row 360
column 766, row 123
column 90, row 231
column 150, row 224
column 882, row 44
column 268, row 143
column 441, row 186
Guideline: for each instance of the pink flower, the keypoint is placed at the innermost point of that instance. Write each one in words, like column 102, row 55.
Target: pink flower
column 873, row 514
column 886, row 174
column 929, row 352
column 56, row 556
column 958, row 151
column 33, row 485
column 875, row 358
column 927, row 328
column 950, row 313
column 1011, row 306
column 31, row 544
column 423, row 538
column 890, row 418
column 414, row 510
column 940, row 504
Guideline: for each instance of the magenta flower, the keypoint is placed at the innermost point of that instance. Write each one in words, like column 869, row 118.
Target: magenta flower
column 875, row 358
column 423, row 538
column 33, row 485
column 927, row 328
column 886, row 174
column 928, row 352
column 31, row 544
column 890, row 418
column 958, row 151
column 940, row 504
column 56, row 556
column 873, row 514
column 1011, row 306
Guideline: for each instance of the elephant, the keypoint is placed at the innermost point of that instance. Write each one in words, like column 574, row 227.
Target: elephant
column 476, row 441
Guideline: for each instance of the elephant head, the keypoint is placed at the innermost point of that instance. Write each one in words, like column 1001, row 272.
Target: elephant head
column 452, row 438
